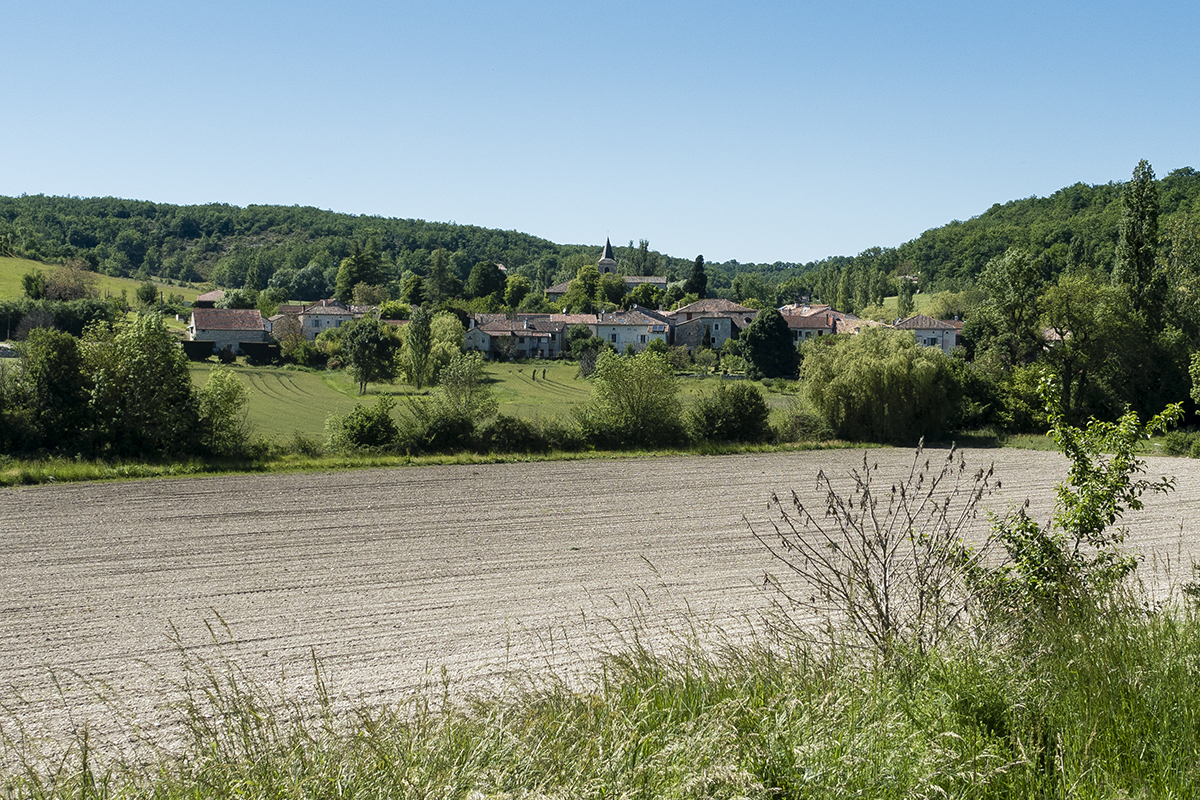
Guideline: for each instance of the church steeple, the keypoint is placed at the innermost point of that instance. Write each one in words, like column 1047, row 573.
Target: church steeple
column 608, row 262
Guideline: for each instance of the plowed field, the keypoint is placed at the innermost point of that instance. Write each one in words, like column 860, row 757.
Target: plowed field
column 389, row 575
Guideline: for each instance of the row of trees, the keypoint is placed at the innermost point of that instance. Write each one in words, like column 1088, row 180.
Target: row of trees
column 121, row 391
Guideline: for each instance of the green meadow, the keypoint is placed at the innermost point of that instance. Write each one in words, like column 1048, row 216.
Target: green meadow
column 285, row 401
column 12, row 270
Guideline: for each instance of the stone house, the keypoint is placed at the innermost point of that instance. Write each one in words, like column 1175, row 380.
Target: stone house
column 227, row 327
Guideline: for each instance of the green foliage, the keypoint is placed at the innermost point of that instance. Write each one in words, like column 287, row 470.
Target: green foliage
column 141, row 393
column 370, row 348
column 506, row 434
column 418, row 344
column 697, row 281
column 733, row 413
column 1137, row 243
column 464, row 389
column 360, row 267
column 635, row 403
column 394, row 309
column 1077, row 558
column 364, row 428
column 54, row 370
column 33, row 283
column 881, row 386
column 767, row 345
column 147, row 295
column 222, row 414
column 485, row 279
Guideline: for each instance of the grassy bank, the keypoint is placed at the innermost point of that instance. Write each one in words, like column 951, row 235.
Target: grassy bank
column 12, row 270
column 1099, row 706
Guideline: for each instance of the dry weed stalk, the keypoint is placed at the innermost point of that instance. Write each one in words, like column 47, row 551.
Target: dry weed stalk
column 894, row 569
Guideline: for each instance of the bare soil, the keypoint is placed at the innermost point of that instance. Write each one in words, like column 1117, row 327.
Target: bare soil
column 387, row 576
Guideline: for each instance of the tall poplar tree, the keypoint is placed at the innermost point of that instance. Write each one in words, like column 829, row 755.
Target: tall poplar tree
column 1137, row 245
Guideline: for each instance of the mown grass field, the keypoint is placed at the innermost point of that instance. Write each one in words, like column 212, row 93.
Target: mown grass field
column 286, row 401
column 12, row 270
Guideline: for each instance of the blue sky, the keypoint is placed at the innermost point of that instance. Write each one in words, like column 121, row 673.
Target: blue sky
column 753, row 131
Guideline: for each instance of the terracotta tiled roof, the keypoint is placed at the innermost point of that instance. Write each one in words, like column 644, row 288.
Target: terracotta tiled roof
column 559, row 288
column 211, row 297
column 227, row 319
column 810, row 322
column 574, row 319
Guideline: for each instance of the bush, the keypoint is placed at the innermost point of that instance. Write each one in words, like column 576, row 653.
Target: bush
column 734, row 413
column 432, row 427
column 635, row 403
column 364, row 427
column 506, row 434
column 800, row 423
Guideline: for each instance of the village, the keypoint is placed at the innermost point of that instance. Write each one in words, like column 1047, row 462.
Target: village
column 708, row 323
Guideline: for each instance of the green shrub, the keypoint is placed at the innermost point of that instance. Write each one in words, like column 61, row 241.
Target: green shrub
column 635, row 403
column 366, row 427
column 734, row 413
column 506, row 434
column 800, row 423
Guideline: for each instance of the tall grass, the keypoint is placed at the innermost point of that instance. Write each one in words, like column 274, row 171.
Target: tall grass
column 1101, row 705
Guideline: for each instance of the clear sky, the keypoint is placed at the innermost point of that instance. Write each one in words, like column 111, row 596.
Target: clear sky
column 756, row 131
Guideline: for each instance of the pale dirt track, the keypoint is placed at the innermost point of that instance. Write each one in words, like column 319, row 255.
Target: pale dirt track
column 388, row 575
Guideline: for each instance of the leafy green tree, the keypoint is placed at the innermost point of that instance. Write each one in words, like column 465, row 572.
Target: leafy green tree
column 33, row 283
column 364, row 428
column 222, row 413
column 418, row 343
column 53, row 367
column 413, row 290
column 146, row 295
column 465, row 390
column 635, row 403
column 767, row 345
column 485, row 279
column 141, row 401
column 516, row 289
column 734, row 413
column 611, row 289
column 697, row 282
column 1095, row 334
column 1137, row 245
column 881, row 386
column 370, row 349
column 1077, row 558
column 1013, row 283
column 904, row 298
column 442, row 284
column 646, row 295
column 233, row 298
column 361, row 266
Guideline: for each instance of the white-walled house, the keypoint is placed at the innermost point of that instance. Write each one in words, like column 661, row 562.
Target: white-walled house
column 323, row 315
column 623, row 328
column 932, row 332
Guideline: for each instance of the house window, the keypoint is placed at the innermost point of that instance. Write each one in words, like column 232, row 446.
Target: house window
column 716, row 326
column 642, row 338
column 614, row 337
column 520, row 340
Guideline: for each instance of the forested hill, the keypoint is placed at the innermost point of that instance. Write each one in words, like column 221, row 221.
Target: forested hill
column 1078, row 224
column 301, row 247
